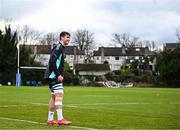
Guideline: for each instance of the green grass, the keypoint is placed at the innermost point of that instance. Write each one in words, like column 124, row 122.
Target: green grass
column 98, row 108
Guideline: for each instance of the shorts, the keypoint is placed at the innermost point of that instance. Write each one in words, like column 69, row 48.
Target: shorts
column 55, row 87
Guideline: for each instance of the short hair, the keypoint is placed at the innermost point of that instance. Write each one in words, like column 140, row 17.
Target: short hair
column 64, row 33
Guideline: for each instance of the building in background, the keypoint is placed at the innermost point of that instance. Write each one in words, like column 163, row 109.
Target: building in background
column 115, row 57
column 118, row 56
column 171, row 46
column 74, row 56
column 92, row 69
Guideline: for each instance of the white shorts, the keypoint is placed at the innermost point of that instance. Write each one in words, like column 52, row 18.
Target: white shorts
column 56, row 87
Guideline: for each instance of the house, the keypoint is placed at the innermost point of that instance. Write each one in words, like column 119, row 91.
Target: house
column 171, row 46
column 115, row 57
column 39, row 52
column 91, row 69
column 112, row 55
column 42, row 54
column 118, row 56
column 74, row 56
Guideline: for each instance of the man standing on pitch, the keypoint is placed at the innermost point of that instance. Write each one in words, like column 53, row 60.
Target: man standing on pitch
column 54, row 76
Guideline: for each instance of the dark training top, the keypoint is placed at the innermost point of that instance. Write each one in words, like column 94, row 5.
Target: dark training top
column 56, row 63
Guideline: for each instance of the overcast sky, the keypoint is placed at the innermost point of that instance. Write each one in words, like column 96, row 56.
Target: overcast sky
column 155, row 20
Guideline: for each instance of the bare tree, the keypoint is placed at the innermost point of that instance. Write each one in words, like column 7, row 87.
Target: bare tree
column 178, row 33
column 149, row 44
column 133, row 42
column 139, row 44
column 125, row 39
column 28, row 34
column 84, row 39
column 153, row 45
column 49, row 38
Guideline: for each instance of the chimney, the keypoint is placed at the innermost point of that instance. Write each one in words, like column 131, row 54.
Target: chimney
column 123, row 49
column 75, row 55
column 102, row 54
column 146, row 50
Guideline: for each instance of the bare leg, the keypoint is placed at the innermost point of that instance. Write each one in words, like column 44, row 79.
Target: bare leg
column 52, row 103
column 58, row 104
column 51, row 108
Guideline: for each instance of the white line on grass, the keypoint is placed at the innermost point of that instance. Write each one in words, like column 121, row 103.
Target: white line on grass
column 44, row 104
column 38, row 104
column 13, row 105
column 34, row 122
column 94, row 104
column 41, row 104
column 120, row 103
column 19, row 120
column 125, row 103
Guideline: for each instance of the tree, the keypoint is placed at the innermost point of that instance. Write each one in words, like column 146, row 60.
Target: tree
column 8, row 58
column 27, row 34
column 134, row 67
column 49, row 38
column 8, row 55
column 168, row 65
column 146, row 62
column 126, row 73
column 149, row 44
column 85, row 41
column 25, row 56
column 178, row 34
column 125, row 39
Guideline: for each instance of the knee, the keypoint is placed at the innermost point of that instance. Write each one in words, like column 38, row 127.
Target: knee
column 59, row 95
column 58, row 99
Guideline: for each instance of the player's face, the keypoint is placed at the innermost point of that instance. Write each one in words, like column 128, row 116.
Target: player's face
column 66, row 40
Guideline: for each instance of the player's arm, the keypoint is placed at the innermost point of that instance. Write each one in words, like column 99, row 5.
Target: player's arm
column 53, row 61
column 61, row 68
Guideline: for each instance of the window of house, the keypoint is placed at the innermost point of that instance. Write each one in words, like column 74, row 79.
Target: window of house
column 72, row 57
column 131, row 61
column 116, row 58
column 97, row 57
column 137, row 49
column 117, row 66
column 137, row 57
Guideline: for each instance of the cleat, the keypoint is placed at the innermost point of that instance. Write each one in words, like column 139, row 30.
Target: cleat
column 52, row 122
column 64, row 122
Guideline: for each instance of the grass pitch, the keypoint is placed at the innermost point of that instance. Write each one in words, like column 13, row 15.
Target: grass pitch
column 92, row 108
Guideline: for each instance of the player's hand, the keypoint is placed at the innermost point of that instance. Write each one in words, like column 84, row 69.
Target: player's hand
column 60, row 78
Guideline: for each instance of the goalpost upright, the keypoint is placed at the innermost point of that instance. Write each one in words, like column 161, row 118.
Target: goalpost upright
column 18, row 75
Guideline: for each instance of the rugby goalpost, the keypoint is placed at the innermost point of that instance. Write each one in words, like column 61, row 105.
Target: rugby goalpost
column 18, row 74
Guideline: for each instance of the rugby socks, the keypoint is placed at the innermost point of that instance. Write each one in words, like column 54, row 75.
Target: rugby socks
column 50, row 116
column 59, row 114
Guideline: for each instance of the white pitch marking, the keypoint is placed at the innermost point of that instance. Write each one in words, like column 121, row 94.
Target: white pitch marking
column 122, row 103
column 34, row 122
column 94, row 104
column 43, row 104
column 13, row 105
column 19, row 120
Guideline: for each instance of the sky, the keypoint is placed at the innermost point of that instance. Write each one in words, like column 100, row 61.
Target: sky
column 154, row 20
